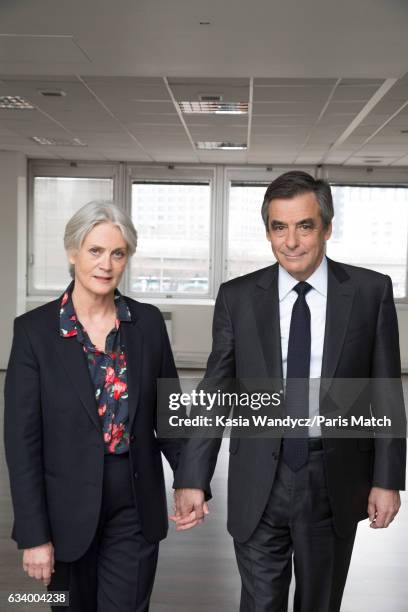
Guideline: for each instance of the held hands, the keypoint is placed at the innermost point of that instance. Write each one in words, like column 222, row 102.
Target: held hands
column 383, row 506
column 189, row 508
column 38, row 562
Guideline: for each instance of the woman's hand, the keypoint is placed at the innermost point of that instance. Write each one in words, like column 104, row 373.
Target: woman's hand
column 38, row 562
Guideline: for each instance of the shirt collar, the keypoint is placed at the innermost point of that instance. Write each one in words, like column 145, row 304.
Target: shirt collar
column 318, row 280
column 68, row 318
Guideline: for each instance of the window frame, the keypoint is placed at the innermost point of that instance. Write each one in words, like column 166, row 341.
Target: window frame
column 220, row 177
column 249, row 175
column 391, row 185
column 60, row 169
column 179, row 174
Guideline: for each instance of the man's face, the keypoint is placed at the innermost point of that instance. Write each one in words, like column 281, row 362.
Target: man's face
column 296, row 234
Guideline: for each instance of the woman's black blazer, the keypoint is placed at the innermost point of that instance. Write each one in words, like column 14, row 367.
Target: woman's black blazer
column 53, row 438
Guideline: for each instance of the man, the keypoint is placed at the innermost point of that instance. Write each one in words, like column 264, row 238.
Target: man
column 304, row 317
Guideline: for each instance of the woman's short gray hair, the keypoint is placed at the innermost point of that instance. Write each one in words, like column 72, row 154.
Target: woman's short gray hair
column 93, row 213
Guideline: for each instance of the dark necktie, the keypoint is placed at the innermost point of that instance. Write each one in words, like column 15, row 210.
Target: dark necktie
column 296, row 450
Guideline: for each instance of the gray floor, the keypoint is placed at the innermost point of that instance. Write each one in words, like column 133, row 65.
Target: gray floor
column 197, row 570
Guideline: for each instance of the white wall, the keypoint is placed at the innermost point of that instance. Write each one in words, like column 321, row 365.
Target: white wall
column 13, row 241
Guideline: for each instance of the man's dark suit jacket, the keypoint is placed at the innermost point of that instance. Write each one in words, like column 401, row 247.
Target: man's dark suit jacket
column 361, row 341
column 53, row 436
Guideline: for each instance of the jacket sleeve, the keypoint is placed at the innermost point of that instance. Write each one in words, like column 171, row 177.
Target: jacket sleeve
column 199, row 456
column 387, row 397
column 23, row 442
column 170, row 447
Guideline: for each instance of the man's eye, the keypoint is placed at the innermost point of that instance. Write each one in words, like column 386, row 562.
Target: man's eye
column 306, row 226
column 278, row 228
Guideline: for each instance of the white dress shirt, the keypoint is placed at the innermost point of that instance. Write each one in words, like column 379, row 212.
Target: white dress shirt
column 316, row 299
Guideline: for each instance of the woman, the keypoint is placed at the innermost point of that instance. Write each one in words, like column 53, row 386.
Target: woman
column 80, row 414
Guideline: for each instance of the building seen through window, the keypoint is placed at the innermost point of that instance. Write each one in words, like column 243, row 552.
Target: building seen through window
column 173, row 224
column 370, row 229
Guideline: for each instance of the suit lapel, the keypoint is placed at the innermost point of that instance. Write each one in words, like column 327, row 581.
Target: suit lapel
column 266, row 309
column 133, row 343
column 74, row 362
column 340, row 294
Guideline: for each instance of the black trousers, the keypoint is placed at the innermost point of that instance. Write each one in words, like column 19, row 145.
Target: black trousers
column 297, row 522
column 116, row 574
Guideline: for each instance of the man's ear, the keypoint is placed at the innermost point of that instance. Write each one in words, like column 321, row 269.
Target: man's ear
column 268, row 235
column 328, row 231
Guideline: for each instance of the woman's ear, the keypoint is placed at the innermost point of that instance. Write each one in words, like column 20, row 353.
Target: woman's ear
column 71, row 256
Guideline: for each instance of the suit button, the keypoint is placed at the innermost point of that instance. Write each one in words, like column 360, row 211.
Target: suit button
column 132, row 438
column 136, row 475
column 275, row 455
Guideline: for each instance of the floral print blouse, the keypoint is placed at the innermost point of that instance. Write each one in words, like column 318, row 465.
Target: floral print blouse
column 107, row 370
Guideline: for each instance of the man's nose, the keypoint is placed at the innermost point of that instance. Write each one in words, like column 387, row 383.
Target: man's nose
column 291, row 238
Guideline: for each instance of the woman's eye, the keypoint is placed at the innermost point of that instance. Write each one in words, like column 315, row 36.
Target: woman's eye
column 118, row 254
column 94, row 250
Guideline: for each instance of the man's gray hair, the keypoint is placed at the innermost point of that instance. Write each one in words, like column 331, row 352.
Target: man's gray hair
column 294, row 183
column 92, row 214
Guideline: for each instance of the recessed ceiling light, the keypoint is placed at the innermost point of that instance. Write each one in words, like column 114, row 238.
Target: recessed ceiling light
column 214, row 108
column 373, row 161
column 58, row 142
column 205, row 22
column 223, row 146
column 15, row 103
column 52, row 93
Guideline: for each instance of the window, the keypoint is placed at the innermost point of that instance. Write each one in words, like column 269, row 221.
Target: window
column 55, row 200
column 201, row 225
column 373, row 230
column 173, row 224
column 248, row 248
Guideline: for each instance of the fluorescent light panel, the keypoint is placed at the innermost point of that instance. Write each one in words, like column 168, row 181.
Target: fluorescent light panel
column 15, row 103
column 223, row 146
column 58, row 142
column 214, row 108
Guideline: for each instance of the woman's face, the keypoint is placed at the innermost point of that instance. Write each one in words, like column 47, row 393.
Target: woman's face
column 101, row 260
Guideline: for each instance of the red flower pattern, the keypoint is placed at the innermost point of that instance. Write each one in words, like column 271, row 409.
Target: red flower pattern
column 119, row 388
column 117, row 434
column 107, row 370
column 109, row 376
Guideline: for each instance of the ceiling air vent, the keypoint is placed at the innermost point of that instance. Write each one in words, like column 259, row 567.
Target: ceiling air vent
column 210, row 97
column 220, row 146
column 373, row 161
column 52, row 93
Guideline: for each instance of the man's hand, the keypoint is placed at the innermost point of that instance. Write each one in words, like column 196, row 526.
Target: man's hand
column 189, row 508
column 38, row 562
column 383, row 505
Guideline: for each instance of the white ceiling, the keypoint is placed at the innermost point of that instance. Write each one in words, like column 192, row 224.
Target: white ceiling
column 324, row 79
